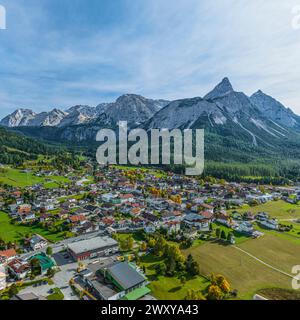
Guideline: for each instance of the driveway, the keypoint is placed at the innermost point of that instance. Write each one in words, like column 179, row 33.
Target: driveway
column 43, row 290
column 67, row 271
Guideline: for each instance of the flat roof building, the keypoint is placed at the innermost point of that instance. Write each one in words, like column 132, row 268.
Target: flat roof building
column 92, row 248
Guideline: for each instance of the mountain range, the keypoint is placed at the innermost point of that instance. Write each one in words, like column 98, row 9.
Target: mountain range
column 235, row 124
column 136, row 109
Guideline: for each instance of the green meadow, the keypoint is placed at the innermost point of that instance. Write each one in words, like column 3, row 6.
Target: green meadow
column 15, row 233
column 19, row 178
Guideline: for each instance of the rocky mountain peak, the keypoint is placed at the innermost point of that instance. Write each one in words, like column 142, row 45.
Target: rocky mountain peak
column 222, row 89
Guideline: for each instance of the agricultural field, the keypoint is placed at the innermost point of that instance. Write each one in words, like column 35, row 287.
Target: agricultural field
column 244, row 272
column 277, row 209
column 276, row 251
column 15, row 233
column 19, row 178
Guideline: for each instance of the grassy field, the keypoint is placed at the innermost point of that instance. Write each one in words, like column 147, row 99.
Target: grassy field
column 293, row 235
column 170, row 288
column 244, row 273
column 278, row 209
column 14, row 233
column 17, row 178
column 137, row 236
column 277, row 251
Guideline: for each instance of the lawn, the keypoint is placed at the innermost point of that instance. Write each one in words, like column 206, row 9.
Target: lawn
column 15, row 233
column 242, row 271
column 169, row 288
column 277, row 251
column 293, row 235
column 19, row 178
column 277, row 209
column 239, row 237
column 137, row 236
column 56, row 295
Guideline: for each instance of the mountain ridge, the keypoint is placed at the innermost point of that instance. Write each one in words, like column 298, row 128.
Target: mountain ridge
column 229, row 117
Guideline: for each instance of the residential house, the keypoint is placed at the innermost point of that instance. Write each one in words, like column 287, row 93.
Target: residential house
column 77, row 219
column 37, row 242
column 7, row 255
column 245, row 228
column 224, row 219
column 270, row 223
column 207, row 207
column 2, row 278
column 18, row 268
column 26, row 217
column 172, row 226
column 196, row 221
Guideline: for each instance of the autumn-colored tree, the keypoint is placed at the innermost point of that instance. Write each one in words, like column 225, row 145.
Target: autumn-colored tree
column 143, row 246
column 193, row 295
column 151, row 243
column 225, row 286
column 188, row 206
column 214, row 293
column 220, row 281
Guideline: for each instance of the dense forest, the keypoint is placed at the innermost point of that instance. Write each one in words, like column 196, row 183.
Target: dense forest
column 16, row 148
column 227, row 158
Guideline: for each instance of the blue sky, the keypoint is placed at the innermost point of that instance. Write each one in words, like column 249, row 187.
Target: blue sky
column 59, row 53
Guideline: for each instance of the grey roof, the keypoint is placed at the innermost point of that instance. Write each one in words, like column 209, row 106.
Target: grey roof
column 125, row 275
column 97, row 265
column 92, row 244
column 193, row 217
column 105, row 290
column 27, row 296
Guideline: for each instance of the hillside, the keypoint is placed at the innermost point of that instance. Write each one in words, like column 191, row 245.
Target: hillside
column 255, row 130
column 16, row 148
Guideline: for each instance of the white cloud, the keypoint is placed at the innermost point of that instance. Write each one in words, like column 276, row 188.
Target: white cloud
column 165, row 49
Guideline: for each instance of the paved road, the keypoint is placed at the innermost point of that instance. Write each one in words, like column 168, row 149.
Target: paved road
column 61, row 280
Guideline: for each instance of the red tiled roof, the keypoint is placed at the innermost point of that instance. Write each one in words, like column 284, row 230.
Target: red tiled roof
column 206, row 214
column 77, row 218
column 135, row 210
column 173, row 223
column 8, row 253
column 107, row 220
column 24, row 209
column 177, row 213
column 126, row 196
column 18, row 266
